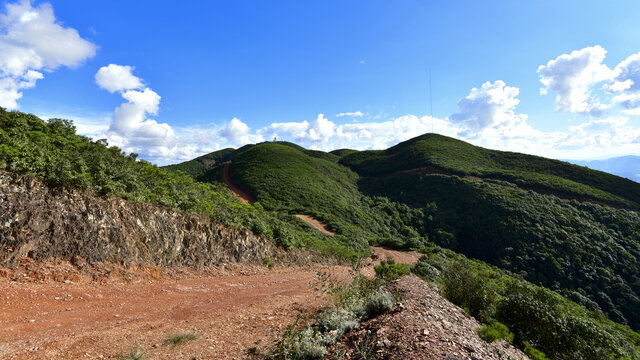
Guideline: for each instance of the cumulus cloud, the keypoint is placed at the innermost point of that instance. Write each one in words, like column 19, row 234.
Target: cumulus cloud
column 490, row 106
column 315, row 134
column 627, row 74
column 32, row 42
column 117, row 78
column 239, row 133
column 130, row 128
column 571, row 77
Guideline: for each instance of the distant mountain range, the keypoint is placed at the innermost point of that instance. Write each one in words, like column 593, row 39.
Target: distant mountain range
column 625, row 166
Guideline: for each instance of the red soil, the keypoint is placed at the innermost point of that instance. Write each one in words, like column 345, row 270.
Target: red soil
column 235, row 189
column 315, row 223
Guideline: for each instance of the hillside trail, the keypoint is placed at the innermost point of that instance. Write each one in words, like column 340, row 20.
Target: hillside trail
column 243, row 196
column 246, row 198
column 229, row 313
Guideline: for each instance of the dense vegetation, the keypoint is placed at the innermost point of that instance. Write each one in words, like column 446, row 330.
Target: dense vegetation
column 53, row 152
column 438, row 153
column 494, row 206
column 588, row 252
column 539, row 318
column 203, row 163
column 288, row 180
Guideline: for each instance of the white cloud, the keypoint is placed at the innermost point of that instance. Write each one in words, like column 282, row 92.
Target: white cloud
column 628, row 74
column 238, row 133
column 32, row 41
column 490, row 106
column 351, row 113
column 571, row 77
column 130, row 128
column 117, row 78
column 315, row 134
column 630, row 103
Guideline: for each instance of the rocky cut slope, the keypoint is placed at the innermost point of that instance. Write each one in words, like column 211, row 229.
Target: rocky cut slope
column 43, row 222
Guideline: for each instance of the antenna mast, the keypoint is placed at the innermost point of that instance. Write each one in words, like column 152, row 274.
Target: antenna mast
column 430, row 99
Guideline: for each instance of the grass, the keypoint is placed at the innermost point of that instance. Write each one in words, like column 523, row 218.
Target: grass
column 351, row 301
column 180, row 339
column 135, row 353
column 495, row 331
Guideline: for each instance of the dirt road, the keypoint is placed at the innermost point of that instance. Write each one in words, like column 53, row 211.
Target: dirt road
column 316, row 224
column 228, row 314
column 242, row 195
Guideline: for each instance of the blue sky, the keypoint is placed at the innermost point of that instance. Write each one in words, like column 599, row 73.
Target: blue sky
column 224, row 73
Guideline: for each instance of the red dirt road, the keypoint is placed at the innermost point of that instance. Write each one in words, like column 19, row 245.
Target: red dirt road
column 235, row 189
column 228, row 314
column 246, row 198
column 315, row 223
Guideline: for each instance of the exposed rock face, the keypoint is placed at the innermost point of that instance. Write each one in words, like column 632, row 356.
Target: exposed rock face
column 42, row 222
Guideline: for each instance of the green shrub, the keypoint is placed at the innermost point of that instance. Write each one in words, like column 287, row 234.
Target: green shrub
column 270, row 264
column 308, row 345
column 379, row 302
column 179, row 339
column 533, row 353
column 389, row 270
column 335, row 322
column 426, row 271
column 495, row 331
column 466, row 288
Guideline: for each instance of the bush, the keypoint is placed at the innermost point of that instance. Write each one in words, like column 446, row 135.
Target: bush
column 379, row 302
column 389, row 270
column 467, row 289
column 270, row 264
column 307, row 345
column 133, row 354
column 495, row 331
column 335, row 322
column 533, row 353
column 542, row 320
column 426, row 271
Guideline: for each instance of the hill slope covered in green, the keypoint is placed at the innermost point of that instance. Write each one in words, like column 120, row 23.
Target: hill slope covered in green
column 583, row 250
column 559, row 225
column 441, row 154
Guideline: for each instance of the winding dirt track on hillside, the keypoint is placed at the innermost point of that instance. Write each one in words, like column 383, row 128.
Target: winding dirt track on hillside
column 229, row 313
column 235, row 189
column 323, row 228
column 246, row 198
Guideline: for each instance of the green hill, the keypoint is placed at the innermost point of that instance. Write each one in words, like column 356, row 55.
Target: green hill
column 52, row 151
column 432, row 153
column 568, row 228
column 543, row 219
column 285, row 179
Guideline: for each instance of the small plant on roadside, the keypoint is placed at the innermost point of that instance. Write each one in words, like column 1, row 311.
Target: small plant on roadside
column 495, row 331
column 179, row 339
column 335, row 322
column 388, row 270
column 307, row 344
column 135, row 353
column 365, row 348
column 379, row 302
column 270, row 264
column 533, row 353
